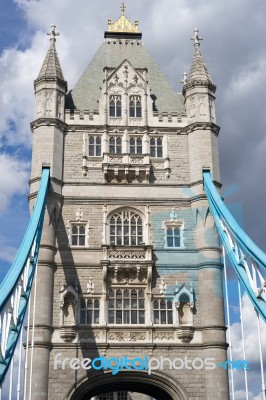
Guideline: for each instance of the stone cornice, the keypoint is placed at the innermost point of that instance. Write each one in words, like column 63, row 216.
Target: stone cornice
column 48, row 122
column 202, row 126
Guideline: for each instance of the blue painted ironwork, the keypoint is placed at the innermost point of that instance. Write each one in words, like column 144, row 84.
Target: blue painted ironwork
column 248, row 260
column 16, row 287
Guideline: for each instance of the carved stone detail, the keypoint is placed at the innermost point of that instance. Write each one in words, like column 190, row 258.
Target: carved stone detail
column 126, row 255
column 68, row 333
column 137, row 336
column 115, row 121
column 127, row 336
column 158, row 165
column 185, row 333
column 163, row 335
column 126, row 276
column 117, row 336
column 97, row 164
column 137, row 160
column 115, row 160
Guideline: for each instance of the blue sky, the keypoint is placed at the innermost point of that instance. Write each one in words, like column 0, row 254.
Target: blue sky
column 233, row 48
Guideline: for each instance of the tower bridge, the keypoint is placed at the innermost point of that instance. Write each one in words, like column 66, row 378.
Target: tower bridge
column 124, row 255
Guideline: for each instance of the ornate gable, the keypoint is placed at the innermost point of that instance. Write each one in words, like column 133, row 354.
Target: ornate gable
column 126, row 79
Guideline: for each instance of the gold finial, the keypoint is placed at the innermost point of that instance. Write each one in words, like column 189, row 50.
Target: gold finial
column 53, row 34
column 122, row 24
column 123, row 8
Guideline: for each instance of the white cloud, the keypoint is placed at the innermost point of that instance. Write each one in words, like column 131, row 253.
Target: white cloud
column 251, row 348
column 13, row 179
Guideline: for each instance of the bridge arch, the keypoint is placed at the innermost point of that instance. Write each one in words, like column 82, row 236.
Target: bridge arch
column 158, row 385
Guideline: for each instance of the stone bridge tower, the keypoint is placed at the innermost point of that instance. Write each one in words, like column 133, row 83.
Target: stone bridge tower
column 130, row 261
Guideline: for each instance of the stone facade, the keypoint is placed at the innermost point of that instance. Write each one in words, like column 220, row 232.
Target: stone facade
column 129, row 262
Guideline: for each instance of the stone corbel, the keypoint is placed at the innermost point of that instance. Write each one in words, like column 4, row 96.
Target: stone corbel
column 185, row 333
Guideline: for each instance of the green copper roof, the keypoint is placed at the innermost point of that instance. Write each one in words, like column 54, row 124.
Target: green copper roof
column 86, row 93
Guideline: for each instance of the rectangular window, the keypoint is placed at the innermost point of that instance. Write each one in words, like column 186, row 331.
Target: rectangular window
column 156, row 147
column 173, row 236
column 78, row 235
column 115, row 106
column 115, row 145
column 162, row 311
column 135, row 106
column 89, row 311
column 95, row 146
column 135, row 145
column 126, row 306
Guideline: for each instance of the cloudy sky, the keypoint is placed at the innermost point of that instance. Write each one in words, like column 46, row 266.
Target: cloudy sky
column 234, row 49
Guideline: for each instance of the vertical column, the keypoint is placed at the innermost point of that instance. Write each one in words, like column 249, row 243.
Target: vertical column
column 39, row 347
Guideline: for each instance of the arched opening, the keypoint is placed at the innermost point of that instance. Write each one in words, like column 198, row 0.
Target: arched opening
column 157, row 385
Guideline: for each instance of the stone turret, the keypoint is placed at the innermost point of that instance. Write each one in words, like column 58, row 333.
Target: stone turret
column 48, row 126
column 47, row 149
column 198, row 92
column 50, row 86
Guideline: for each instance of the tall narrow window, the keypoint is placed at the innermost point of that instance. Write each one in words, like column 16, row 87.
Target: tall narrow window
column 162, row 311
column 78, row 235
column 94, row 146
column 156, row 147
column 173, row 236
column 89, row 311
column 115, row 106
column 135, row 145
column 115, row 145
column 135, row 106
column 126, row 306
column 126, row 229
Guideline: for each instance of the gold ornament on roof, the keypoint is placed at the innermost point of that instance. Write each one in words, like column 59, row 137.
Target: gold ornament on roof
column 122, row 24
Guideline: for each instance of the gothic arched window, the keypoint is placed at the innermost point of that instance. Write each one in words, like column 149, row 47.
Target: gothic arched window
column 78, row 235
column 126, row 306
column 126, row 229
column 115, row 106
column 135, row 106
column 115, row 145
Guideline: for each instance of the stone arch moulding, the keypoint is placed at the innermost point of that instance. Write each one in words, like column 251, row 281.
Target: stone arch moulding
column 143, row 215
column 155, row 384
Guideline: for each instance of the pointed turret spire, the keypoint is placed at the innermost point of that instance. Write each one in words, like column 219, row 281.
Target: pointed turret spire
column 51, row 68
column 198, row 74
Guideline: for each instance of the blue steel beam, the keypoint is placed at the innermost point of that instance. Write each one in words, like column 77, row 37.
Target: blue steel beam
column 238, row 245
column 16, row 287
